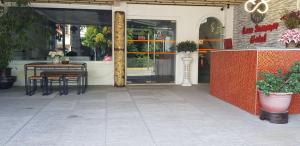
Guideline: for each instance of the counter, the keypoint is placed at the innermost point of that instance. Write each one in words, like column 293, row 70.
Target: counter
column 234, row 74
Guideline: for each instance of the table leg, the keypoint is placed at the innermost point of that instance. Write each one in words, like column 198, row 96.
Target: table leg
column 26, row 82
column 85, row 78
column 34, row 71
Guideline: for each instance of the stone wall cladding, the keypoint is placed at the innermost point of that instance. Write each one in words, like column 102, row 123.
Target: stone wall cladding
column 242, row 19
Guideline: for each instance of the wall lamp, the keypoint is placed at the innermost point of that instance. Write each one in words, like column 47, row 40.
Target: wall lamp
column 228, row 6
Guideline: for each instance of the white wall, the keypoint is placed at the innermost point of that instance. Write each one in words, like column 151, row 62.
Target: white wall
column 188, row 20
column 228, row 21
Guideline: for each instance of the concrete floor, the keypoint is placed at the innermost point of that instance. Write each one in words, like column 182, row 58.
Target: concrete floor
column 135, row 116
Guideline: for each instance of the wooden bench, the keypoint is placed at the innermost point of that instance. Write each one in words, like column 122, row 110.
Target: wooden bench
column 66, row 77
column 44, row 82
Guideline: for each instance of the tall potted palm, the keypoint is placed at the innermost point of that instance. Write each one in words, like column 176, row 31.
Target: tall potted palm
column 97, row 37
column 186, row 47
column 276, row 90
column 12, row 36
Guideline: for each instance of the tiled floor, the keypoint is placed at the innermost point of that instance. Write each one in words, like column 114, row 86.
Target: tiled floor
column 135, row 116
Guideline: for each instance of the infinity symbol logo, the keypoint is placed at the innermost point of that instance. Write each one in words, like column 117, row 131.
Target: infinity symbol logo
column 257, row 6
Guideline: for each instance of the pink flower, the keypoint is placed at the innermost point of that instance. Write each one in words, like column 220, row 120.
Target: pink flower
column 290, row 35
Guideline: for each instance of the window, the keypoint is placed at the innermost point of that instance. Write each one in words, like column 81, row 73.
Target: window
column 83, row 35
column 151, row 49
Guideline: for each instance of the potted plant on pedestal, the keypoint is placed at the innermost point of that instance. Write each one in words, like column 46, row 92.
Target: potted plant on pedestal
column 186, row 47
column 275, row 93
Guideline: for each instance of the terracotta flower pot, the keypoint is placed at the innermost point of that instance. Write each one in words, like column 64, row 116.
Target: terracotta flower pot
column 275, row 102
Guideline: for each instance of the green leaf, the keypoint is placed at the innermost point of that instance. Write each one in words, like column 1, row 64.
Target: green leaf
column 280, row 82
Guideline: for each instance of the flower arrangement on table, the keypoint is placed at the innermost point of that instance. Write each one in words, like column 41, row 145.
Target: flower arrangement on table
column 56, row 55
column 290, row 37
column 291, row 19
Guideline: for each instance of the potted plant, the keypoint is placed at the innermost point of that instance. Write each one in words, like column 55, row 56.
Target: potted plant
column 186, row 47
column 291, row 19
column 276, row 90
column 12, row 36
column 290, row 38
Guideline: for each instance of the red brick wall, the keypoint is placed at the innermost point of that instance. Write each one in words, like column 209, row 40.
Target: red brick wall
column 234, row 75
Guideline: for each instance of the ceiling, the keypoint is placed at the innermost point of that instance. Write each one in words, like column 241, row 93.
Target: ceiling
column 216, row 3
column 77, row 16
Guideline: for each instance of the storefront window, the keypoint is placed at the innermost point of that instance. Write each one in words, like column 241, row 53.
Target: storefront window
column 151, row 50
column 85, row 42
column 83, row 35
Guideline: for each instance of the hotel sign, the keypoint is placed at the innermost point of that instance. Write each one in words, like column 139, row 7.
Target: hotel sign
column 259, row 28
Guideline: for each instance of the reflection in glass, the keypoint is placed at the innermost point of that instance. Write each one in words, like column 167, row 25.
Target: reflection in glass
column 83, row 35
column 211, row 34
column 150, row 51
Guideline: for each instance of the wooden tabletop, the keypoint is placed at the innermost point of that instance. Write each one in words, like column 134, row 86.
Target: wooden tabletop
column 44, row 64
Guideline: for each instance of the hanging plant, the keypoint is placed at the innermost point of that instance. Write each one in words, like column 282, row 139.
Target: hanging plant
column 291, row 19
column 257, row 17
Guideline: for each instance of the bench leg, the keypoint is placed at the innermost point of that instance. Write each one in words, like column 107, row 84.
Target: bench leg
column 30, row 93
column 66, row 88
column 45, row 86
column 34, row 85
column 79, row 88
column 42, row 83
column 51, row 87
column 61, row 85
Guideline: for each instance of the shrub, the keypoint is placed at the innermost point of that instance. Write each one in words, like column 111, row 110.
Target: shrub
column 186, row 46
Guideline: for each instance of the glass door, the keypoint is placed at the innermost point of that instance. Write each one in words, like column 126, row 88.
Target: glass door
column 150, row 51
column 210, row 38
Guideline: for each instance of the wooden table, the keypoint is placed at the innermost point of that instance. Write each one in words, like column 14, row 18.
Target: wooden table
column 82, row 67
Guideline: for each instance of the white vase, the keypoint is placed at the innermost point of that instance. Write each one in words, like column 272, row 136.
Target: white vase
column 187, row 70
column 55, row 60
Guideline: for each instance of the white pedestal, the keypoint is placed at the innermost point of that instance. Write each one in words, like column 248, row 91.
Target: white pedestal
column 187, row 71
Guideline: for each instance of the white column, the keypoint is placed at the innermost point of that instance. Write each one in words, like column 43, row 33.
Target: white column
column 187, row 60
